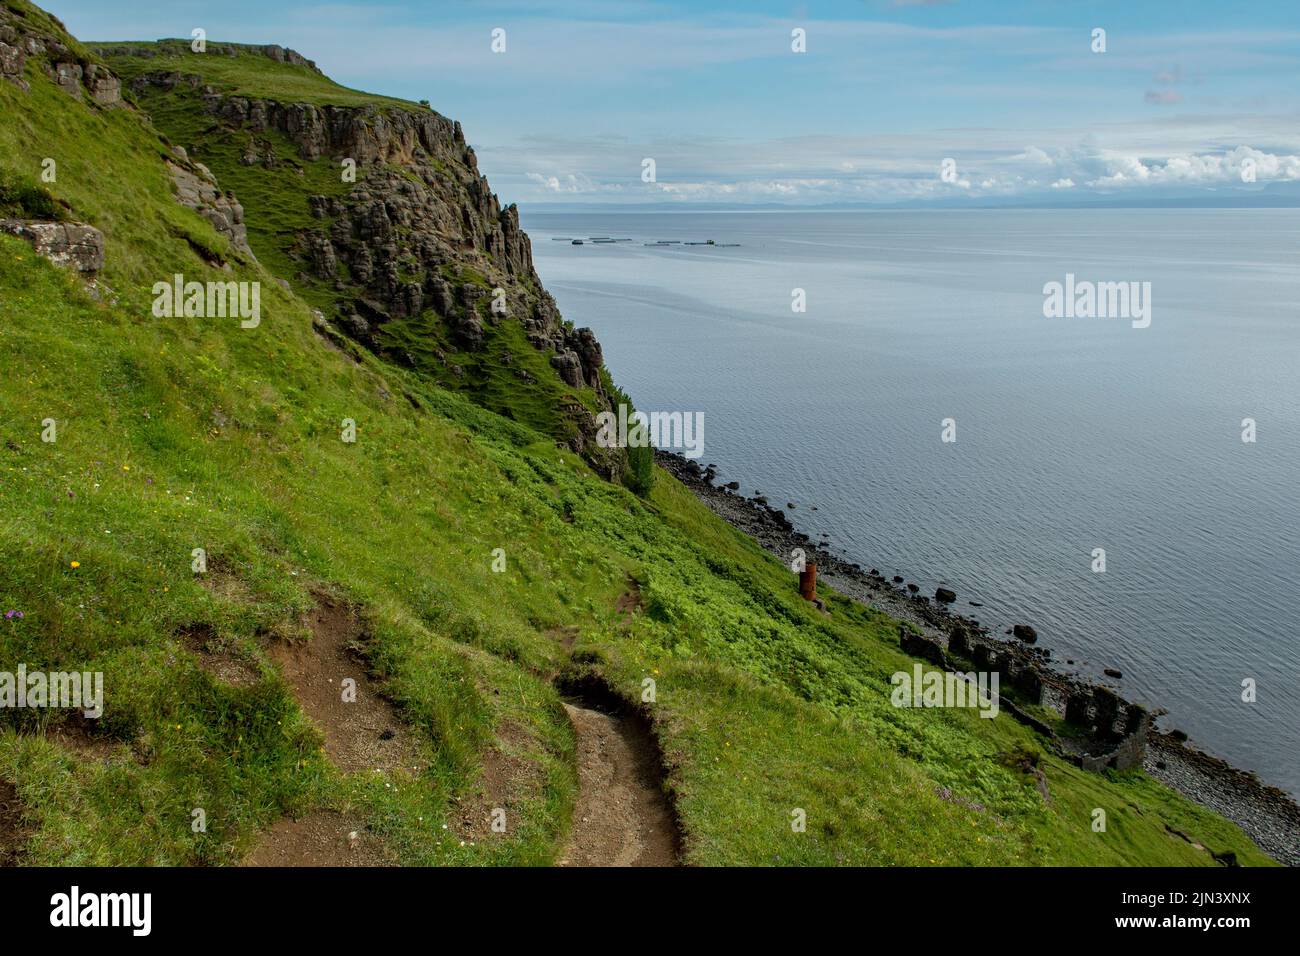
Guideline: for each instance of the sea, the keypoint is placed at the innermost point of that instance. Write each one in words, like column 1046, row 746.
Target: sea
column 1127, row 484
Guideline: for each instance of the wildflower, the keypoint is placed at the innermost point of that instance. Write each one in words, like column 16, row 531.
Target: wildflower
column 10, row 615
column 74, row 564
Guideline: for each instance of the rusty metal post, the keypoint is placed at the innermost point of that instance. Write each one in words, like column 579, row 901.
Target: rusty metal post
column 808, row 582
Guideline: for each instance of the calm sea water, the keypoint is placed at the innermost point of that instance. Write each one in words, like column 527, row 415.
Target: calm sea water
column 1072, row 434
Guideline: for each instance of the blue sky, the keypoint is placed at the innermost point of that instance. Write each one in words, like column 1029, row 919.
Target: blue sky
column 1186, row 95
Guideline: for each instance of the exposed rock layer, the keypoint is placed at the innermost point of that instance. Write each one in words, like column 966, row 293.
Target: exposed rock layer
column 75, row 73
column 196, row 188
column 70, row 244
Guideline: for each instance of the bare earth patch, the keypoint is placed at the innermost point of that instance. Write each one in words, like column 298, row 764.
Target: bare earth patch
column 77, row 733
column 218, row 657
column 364, row 734
column 508, row 778
column 622, row 817
column 628, row 603
column 323, row 838
column 565, row 636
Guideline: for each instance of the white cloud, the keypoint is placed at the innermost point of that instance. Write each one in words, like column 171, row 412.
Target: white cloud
column 885, row 169
column 568, row 183
column 1204, row 169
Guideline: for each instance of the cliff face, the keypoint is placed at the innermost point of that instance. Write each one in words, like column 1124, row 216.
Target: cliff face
column 392, row 231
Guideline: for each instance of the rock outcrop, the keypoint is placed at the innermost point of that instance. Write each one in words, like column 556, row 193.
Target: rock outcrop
column 71, row 244
column 196, row 188
column 13, row 59
column 1025, row 633
column 74, row 72
column 271, row 51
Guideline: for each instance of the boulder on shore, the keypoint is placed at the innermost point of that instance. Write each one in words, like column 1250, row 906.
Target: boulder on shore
column 920, row 646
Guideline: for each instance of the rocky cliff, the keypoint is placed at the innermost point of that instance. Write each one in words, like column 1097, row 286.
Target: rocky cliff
column 390, row 229
column 42, row 39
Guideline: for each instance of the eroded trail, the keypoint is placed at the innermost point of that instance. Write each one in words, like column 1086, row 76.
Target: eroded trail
column 363, row 733
column 363, row 730
column 622, row 817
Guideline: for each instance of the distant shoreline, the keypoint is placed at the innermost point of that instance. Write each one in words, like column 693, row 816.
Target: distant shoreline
column 1267, row 814
column 531, row 207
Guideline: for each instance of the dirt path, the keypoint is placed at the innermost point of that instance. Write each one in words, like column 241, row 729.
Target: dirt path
column 622, row 817
column 363, row 733
column 323, row 838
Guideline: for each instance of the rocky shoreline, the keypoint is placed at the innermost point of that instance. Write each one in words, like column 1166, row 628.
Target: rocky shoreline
column 1268, row 815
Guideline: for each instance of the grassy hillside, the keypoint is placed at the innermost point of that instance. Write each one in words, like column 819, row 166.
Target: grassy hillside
column 175, row 434
column 247, row 73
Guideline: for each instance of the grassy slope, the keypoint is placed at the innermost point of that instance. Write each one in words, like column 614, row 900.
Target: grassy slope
column 253, row 75
column 763, row 705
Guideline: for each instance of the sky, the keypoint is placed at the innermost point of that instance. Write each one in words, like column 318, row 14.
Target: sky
column 1191, row 101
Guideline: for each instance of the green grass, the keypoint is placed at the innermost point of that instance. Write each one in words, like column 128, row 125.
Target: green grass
column 247, row 73
column 183, row 433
